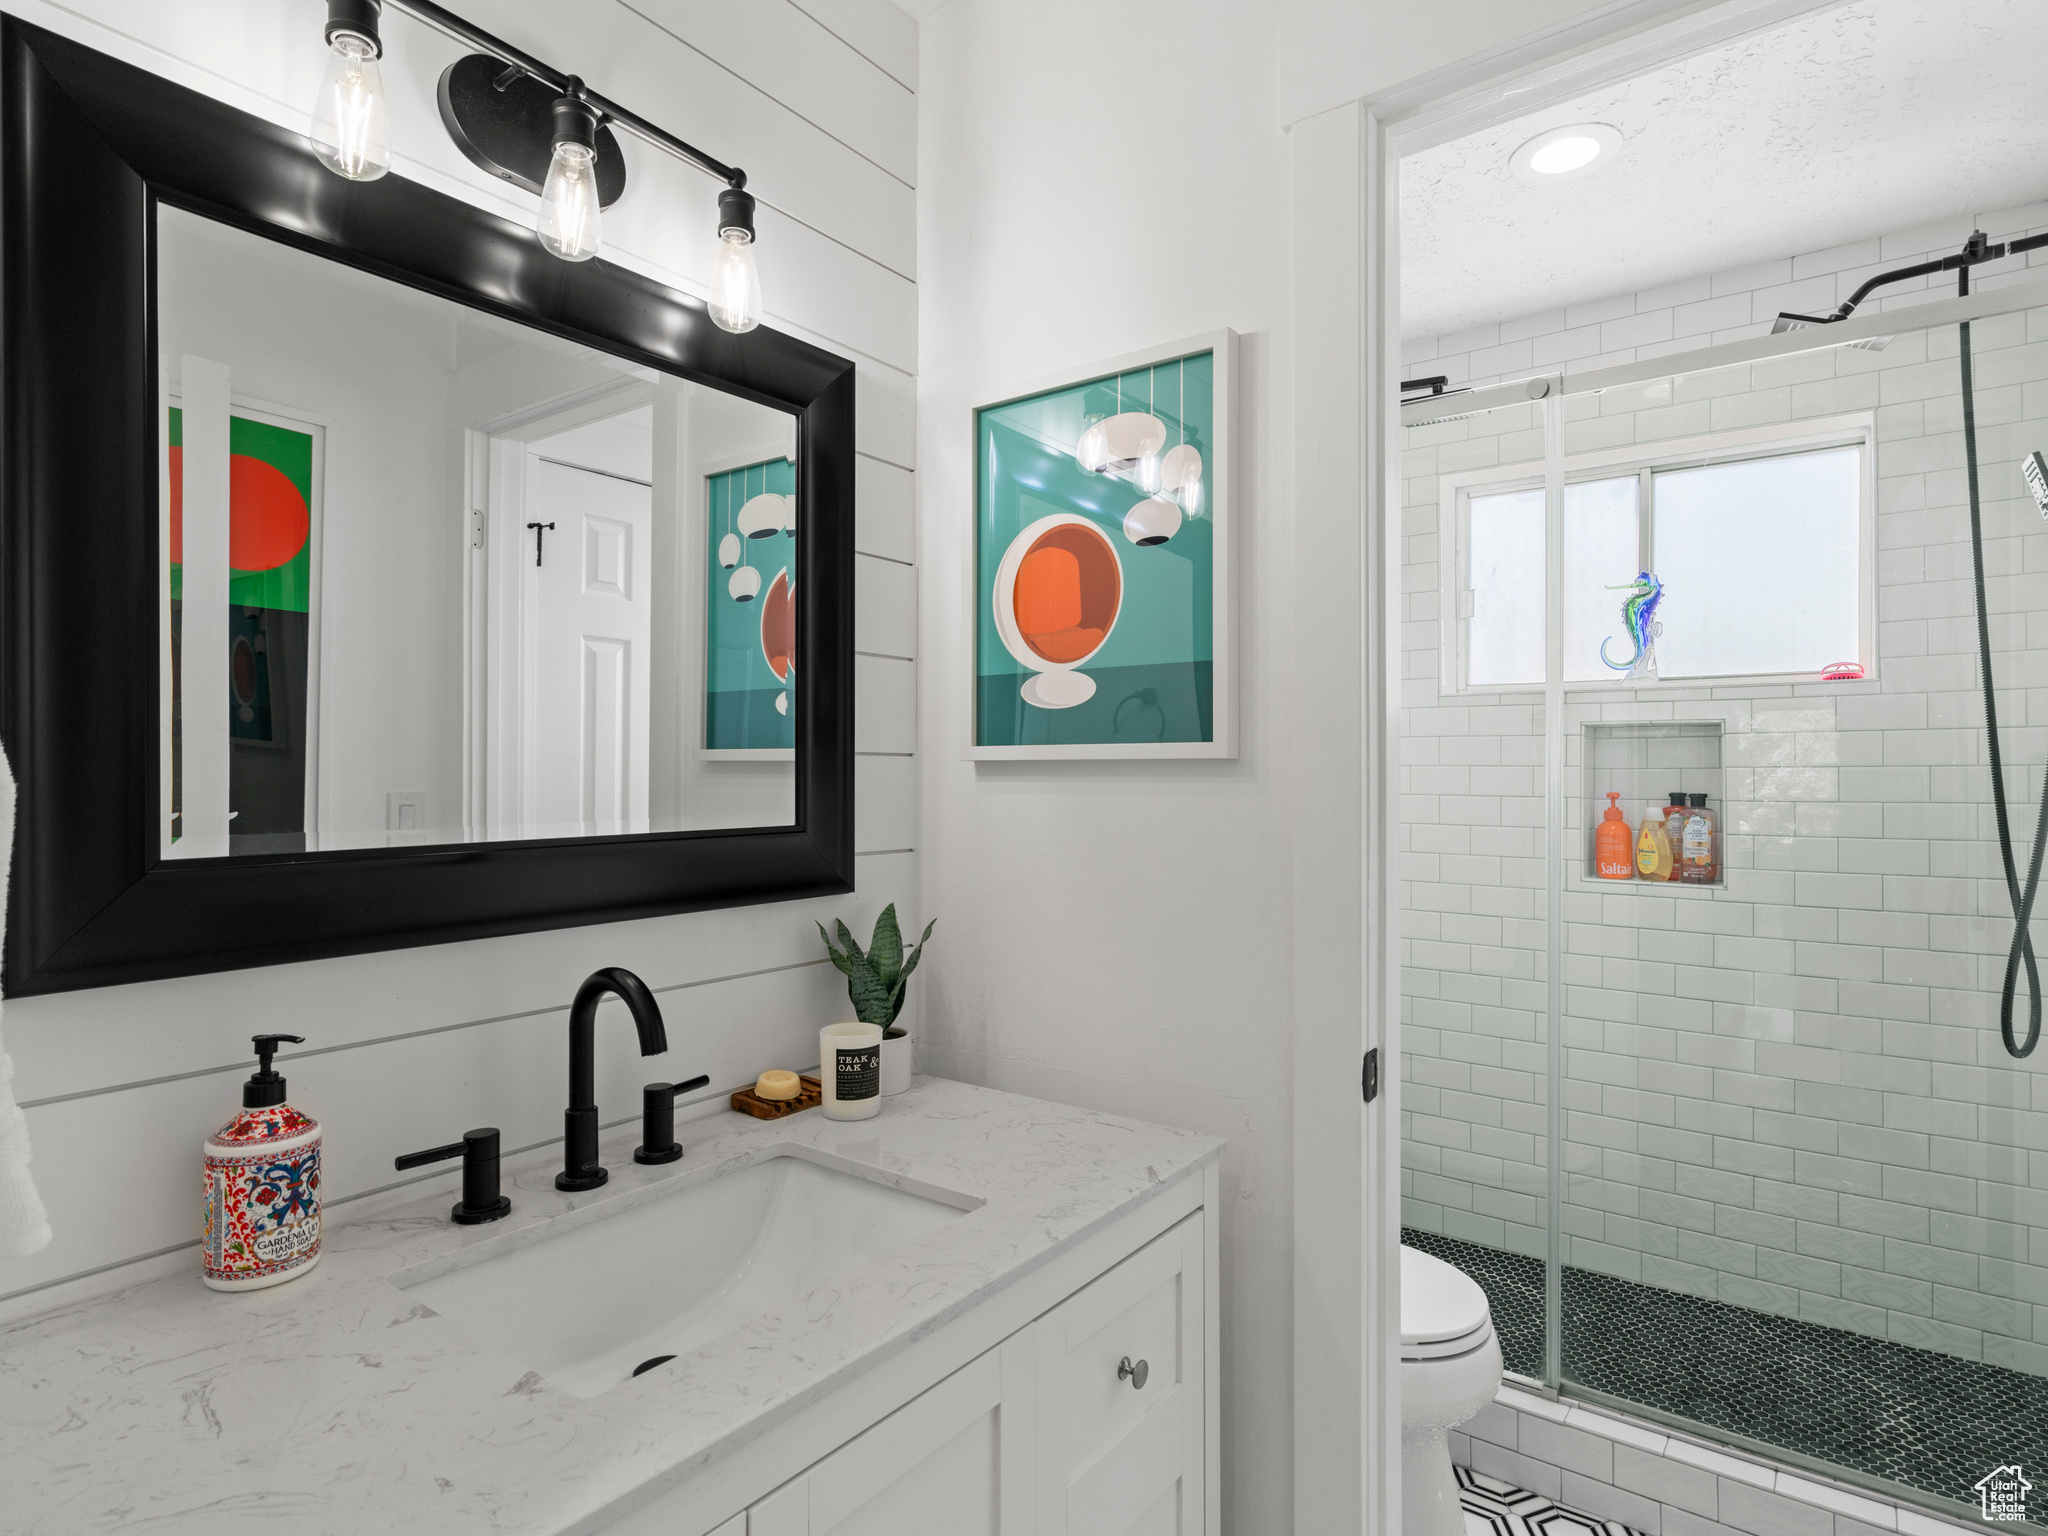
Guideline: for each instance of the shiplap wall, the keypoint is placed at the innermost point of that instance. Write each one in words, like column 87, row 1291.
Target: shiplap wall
column 405, row 1049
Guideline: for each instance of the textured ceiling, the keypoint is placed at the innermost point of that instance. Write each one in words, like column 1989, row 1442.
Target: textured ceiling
column 1850, row 123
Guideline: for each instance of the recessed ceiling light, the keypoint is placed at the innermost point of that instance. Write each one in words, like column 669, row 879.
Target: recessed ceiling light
column 1562, row 152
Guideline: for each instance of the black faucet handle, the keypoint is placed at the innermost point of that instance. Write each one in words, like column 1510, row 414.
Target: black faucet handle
column 658, row 1142
column 478, row 1150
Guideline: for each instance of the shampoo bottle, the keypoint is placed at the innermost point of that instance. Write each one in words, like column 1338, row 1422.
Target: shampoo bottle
column 1674, row 821
column 1611, row 858
column 1699, row 857
column 1653, row 847
column 262, row 1196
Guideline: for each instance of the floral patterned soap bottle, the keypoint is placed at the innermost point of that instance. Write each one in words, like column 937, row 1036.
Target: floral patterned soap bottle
column 262, row 1186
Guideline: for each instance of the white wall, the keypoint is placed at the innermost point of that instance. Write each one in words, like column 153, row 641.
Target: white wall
column 407, row 1047
column 1094, row 179
column 1115, row 934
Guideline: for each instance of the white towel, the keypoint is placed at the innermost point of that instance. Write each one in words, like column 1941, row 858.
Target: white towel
column 24, row 1225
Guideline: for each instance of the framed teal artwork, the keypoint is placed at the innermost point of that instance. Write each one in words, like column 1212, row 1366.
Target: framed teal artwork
column 1103, row 615
column 750, row 610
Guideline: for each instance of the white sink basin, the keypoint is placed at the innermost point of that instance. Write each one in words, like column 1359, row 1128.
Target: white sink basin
column 668, row 1274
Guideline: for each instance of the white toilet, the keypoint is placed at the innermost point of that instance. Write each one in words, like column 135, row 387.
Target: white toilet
column 1450, row 1369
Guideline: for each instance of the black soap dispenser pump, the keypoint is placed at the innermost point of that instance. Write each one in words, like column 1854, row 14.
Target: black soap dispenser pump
column 262, row 1223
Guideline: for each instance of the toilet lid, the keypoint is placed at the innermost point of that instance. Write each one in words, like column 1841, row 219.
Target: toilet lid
column 1439, row 1301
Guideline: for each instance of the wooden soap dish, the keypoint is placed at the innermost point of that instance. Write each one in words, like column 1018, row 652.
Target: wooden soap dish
column 810, row 1094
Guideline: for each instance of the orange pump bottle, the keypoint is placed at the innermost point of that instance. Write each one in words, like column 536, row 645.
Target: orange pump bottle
column 1613, row 857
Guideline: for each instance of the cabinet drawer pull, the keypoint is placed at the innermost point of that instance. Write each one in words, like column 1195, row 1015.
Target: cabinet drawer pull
column 1134, row 1374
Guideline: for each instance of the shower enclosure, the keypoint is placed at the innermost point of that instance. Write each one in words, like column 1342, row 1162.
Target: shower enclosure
column 1746, row 1155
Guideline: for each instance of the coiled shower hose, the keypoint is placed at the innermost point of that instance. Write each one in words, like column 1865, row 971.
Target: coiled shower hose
column 2022, row 950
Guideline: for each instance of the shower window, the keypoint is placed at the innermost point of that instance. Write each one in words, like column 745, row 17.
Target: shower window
column 1764, row 544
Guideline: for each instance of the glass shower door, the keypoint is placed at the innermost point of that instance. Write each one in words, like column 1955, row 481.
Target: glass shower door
column 1799, row 1184
column 1475, row 1016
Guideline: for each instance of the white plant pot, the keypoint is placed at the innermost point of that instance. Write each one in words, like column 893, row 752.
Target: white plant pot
column 895, row 1064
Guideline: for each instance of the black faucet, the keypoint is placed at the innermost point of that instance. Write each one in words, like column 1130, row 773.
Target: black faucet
column 580, row 1167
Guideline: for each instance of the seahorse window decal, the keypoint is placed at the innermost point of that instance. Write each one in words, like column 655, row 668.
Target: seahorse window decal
column 1639, row 617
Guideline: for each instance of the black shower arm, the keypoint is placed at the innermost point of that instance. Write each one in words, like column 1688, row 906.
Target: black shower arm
column 1969, row 256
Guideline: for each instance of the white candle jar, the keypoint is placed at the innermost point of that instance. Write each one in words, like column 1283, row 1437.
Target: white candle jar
column 850, row 1067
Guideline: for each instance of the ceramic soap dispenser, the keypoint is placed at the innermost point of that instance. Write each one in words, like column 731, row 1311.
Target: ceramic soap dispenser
column 262, row 1186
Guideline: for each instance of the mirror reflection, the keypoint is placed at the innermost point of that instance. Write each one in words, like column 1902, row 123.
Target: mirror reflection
column 430, row 576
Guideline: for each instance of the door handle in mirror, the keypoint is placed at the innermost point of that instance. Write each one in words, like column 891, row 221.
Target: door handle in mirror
column 1134, row 1374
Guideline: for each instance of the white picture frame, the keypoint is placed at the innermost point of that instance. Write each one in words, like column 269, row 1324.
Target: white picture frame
column 1221, row 511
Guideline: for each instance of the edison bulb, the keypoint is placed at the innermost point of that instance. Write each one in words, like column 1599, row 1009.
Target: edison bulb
column 351, row 133
column 1092, row 451
column 735, row 283
column 569, row 212
column 1180, row 477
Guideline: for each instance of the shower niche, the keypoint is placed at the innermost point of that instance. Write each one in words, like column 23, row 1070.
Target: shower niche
column 1645, row 762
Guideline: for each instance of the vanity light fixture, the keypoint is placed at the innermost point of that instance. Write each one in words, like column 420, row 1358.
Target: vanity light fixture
column 1567, row 151
column 532, row 125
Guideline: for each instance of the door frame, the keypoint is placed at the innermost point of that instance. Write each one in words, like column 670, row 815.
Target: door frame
column 1345, row 323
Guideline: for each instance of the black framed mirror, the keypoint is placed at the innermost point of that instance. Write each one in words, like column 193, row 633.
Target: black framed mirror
column 374, row 578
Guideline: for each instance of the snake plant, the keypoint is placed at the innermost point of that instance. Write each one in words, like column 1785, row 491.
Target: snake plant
column 876, row 980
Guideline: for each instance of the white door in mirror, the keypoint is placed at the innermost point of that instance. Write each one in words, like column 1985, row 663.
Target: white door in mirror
column 591, row 631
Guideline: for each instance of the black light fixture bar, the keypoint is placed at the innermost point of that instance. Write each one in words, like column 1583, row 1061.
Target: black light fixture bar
column 447, row 22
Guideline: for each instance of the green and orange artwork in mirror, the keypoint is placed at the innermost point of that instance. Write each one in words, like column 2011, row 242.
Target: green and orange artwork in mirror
column 750, row 608
column 271, row 495
column 1101, row 559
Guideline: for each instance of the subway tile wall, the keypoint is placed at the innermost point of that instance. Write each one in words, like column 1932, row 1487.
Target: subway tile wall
column 1786, row 1093
column 1659, row 1484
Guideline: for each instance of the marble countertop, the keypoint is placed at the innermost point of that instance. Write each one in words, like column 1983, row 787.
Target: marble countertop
column 336, row 1403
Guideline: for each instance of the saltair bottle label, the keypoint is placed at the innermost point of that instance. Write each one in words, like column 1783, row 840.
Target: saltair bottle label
column 859, row 1071
column 262, row 1205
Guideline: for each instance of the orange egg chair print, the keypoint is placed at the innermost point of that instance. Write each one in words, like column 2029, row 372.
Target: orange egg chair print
column 778, row 633
column 1057, row 594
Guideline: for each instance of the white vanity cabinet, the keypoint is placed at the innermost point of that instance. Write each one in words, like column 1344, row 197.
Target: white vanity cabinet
column 1044, row 1435
column 947, row 1461
column 1119, row 1400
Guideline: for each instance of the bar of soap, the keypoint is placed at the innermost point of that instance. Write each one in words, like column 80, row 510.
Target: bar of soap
column 777, row 1085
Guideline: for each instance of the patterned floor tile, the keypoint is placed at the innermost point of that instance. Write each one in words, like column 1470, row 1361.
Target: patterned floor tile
column 1494, row 1508
column 1909, row 1416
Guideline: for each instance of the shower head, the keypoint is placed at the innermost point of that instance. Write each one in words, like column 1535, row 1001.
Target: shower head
column 1788, row 322
column 2035, row 468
